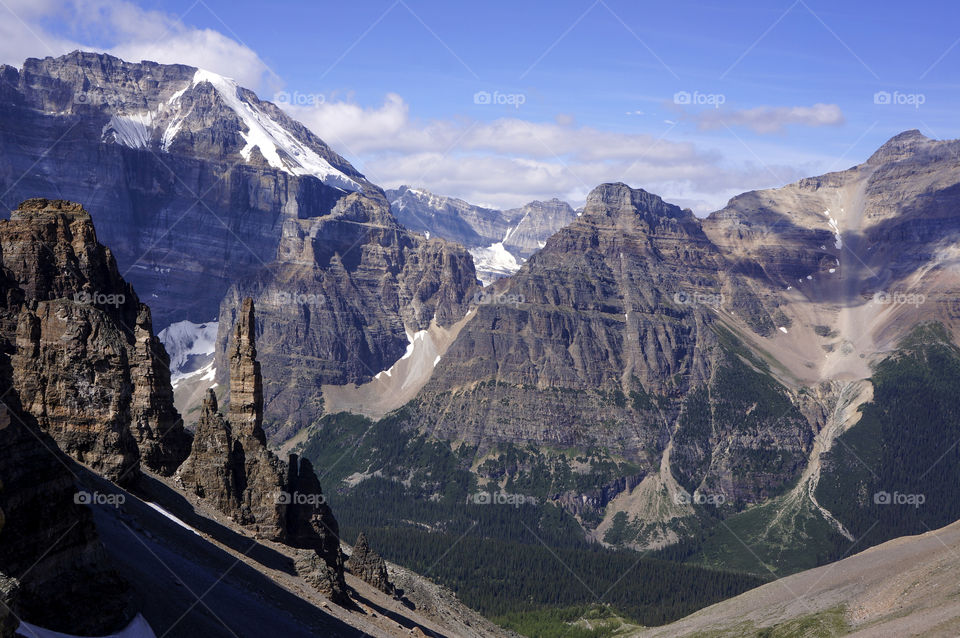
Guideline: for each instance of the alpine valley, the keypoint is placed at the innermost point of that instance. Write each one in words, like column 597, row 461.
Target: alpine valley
column 225, row 354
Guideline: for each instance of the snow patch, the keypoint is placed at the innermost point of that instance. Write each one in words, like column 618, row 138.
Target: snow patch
column 838, row 242
column 494, row 262
column 420, row 349
column 173, row 518
column 271, row 139
column 190, row 346
column 129, row 130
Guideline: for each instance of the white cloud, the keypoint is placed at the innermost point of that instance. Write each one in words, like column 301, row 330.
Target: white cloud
column 770, row 119
column 123, row 29
column 509, row 161
column 504, row 162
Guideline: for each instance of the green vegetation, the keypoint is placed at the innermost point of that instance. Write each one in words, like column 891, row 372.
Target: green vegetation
column 779, row 537
column 897, row 471
column 415, row 499
column 500, row 578
column 595, row 621
column 747, row 405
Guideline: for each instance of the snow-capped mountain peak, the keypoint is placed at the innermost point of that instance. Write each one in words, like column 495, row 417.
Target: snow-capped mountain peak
column 278, row 145
column 283, row 144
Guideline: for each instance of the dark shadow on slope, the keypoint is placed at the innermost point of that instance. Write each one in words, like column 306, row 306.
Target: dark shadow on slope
column 171, row 567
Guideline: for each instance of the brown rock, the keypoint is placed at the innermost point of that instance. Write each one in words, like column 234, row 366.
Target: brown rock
column 246, row 384
column 368, row 566
column 231, row 466
column 210, row 471
column 86, row 364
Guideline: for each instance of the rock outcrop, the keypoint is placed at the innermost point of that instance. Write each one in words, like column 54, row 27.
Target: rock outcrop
column 9, row 606
column 340, row 303
column 86, row 364
column 368, row 566
column 246, row 385
column 48, row 541
column 231, row 466
column 211, row 471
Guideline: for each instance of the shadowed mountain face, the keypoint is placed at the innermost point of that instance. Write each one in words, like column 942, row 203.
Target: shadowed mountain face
column 342, row 301
column 189, row 176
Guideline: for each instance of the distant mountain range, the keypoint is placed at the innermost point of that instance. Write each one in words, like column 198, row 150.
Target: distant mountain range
column 499, row 240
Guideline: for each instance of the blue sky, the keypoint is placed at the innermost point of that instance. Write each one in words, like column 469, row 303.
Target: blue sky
column 579, row 92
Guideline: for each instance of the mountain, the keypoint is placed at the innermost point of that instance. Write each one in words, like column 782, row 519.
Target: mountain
column 207, row 195
column 184, row 171
column 681, row 384
column 499, row 240
column 99, row 481
column 342, row 301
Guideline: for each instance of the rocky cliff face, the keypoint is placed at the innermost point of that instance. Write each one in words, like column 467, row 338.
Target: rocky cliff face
column 535, row 223
column 184, row 170
column 341, row 301
column 86, row 364
column 231, row 466
column 620, row 335
column 55, row 352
